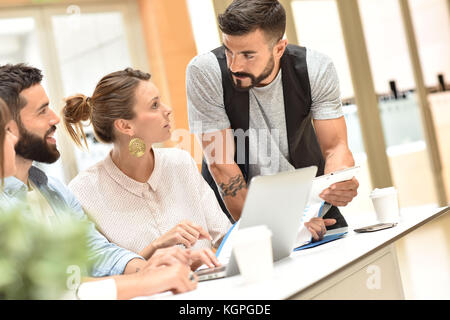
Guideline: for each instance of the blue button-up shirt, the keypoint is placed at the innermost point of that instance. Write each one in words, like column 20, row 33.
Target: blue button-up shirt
column 108, row 258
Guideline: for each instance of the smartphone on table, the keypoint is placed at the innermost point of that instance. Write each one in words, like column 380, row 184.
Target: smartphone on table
column 376, row 227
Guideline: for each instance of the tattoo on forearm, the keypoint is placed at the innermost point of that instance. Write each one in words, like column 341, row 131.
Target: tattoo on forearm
column 234, row 185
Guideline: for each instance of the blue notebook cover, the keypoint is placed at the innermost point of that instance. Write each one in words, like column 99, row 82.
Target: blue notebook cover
column 324, row 240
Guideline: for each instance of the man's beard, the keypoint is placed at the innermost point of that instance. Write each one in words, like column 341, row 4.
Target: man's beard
column 254, row 80
column 33, row 147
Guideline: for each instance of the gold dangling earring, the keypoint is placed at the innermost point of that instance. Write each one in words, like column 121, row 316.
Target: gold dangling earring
column 137, row 147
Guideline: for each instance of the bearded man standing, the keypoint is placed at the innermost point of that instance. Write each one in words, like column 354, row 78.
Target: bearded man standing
column 260, row 106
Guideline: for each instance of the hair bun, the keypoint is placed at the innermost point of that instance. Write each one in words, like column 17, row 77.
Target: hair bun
column 138, row 74
column 78, row 108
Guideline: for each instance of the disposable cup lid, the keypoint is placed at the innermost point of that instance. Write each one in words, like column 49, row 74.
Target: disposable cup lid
column 382, row 192
column 252, row 233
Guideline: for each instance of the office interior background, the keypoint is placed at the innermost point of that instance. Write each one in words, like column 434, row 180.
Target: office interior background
column 392, row 58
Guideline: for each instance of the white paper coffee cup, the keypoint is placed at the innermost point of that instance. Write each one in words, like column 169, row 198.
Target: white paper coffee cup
column 385, row 203
column 252, row 248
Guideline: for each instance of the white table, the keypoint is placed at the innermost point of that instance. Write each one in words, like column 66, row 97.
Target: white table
column 358, row 266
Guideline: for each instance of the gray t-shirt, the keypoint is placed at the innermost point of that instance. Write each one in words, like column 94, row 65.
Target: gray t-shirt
column 267, row 133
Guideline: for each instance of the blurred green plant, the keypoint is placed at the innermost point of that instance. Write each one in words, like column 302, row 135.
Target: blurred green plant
column 38, row 261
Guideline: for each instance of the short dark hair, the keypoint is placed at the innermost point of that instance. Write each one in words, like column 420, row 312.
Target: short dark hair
column 13, row 80
column 245, row 16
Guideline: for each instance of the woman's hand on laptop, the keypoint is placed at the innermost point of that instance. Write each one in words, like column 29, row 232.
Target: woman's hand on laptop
column 185, row 233
column 203, row 256
column 317, row 227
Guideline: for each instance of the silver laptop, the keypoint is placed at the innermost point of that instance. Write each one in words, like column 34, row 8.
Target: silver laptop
column 277, row 201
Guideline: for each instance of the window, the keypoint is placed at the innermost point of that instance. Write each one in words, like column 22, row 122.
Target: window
column 394, row 83
column 204, row 26
column 89, row 47
column 74, row 46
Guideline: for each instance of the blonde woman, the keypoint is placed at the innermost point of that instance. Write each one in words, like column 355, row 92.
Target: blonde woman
column 142, row 198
